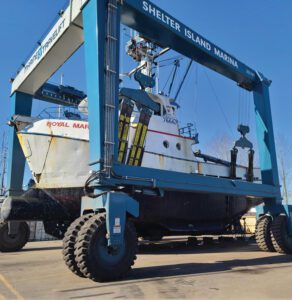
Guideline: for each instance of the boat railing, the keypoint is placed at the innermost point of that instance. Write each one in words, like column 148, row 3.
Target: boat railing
column 69, row 113
column 188, row 130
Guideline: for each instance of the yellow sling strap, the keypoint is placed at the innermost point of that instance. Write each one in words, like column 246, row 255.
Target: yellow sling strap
column 124, row 125
column 137, row 148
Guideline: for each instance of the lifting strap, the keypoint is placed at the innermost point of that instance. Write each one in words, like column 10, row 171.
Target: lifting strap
column 137, row 148
column 233, row 163
column 250, row 173
column 124, row 125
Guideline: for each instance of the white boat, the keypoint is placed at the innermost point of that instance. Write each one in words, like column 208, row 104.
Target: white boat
column 57, row 150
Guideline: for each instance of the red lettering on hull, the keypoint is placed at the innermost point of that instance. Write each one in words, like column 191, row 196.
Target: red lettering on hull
column 57, row 124
column 66, row 124
column 80, row 125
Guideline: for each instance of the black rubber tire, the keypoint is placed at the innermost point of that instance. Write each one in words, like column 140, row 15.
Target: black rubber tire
column 87, row 253
column 281, row 240
column 15, row 242
column 263, row 234
column 69, row 243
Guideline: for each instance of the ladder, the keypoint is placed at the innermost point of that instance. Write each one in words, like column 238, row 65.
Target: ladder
column 111, row 91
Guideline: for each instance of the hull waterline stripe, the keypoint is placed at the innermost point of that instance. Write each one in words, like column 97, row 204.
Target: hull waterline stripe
column 166, row 133
column 53, row 135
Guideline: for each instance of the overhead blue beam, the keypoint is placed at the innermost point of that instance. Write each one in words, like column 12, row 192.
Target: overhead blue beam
column 159, row 26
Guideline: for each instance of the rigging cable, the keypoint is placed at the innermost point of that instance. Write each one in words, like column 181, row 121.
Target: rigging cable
column 167, row 81
column 244, row 107
column 176, row 66
column 239, row 105
column 249, row 107
column 219, row 103
column 177, row 57
column 183, row 80
column 170, row 75
column 196, row 95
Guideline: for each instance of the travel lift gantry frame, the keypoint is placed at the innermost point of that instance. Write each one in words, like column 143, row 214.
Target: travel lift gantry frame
column 96, row 23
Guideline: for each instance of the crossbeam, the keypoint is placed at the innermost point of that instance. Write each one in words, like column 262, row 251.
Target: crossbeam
column 158, row 26
column 65, row 37
column 153, row 23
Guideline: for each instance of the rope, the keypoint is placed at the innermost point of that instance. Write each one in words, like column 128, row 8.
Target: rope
column 176, row 66
column 244, row 106
column 249, row 107
column 239, row 104
column 219, row 103
column 184, row 78
column 196, row 94
column 170, row 75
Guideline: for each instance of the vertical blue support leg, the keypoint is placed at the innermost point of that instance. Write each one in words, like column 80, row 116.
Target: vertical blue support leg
column 117, row 206
column 20, row 104
column 266, row 143
column 117, row 89
column 94, row 21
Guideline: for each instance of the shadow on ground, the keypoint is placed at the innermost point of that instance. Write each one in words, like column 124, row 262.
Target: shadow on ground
column 246, row 266
column 183, row 247
column 39, row 248
column 235, row 265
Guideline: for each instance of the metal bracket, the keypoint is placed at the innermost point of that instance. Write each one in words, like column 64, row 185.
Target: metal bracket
column 144, row 80
column 117, row 205
column 140, row 97
column 243, row 142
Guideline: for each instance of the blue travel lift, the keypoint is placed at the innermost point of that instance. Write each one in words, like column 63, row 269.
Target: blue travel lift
column 102, row 243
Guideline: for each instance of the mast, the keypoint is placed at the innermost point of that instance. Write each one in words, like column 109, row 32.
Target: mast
column 143, row 52
column 3, row 165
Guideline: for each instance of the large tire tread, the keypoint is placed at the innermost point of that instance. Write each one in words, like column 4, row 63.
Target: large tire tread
column 279, row 235
column 69, row 243
column 83, row 250
column 263, row 235
column 8, row 244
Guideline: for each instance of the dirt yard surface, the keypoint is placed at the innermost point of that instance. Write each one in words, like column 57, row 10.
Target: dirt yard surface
column 171, row 270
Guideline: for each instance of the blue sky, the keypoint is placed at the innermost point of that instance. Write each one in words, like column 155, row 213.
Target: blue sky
column 259, row 33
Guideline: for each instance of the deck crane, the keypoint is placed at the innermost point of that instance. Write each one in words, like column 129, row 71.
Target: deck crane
column 105, row 248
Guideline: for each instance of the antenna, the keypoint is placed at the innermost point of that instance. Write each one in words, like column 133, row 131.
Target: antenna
column 61, row 83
